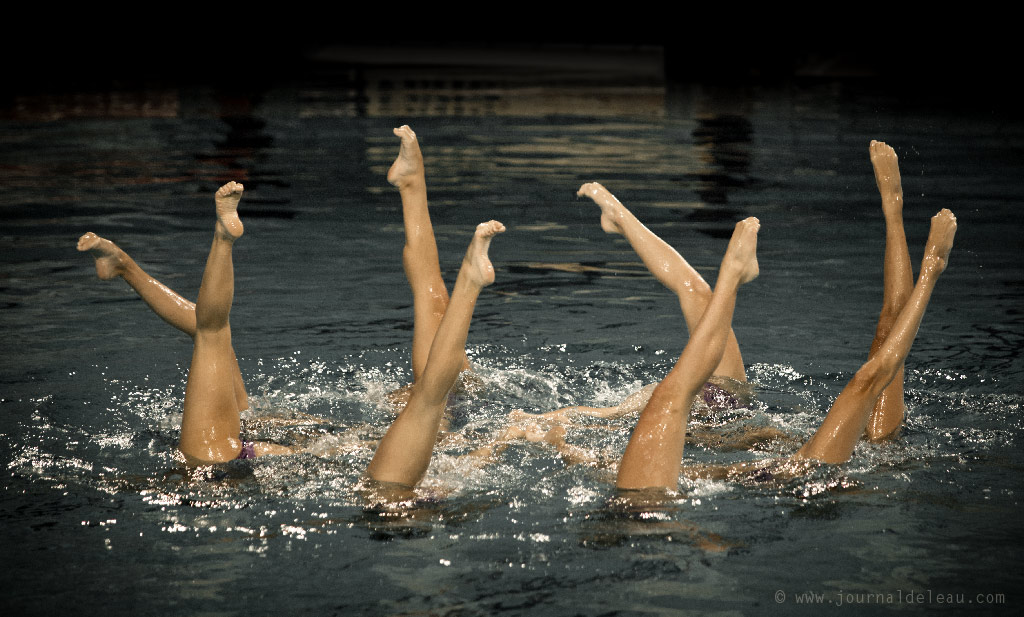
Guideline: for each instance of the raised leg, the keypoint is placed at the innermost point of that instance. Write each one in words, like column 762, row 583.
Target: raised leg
column 848, row 417
column 898, row 282
column 404, row 453
column 668, row 266
column 419, row 256
column 655, row 448
column 210, row 424
column 112, row 262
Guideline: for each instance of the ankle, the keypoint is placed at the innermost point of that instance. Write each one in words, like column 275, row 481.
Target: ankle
column 411, row 183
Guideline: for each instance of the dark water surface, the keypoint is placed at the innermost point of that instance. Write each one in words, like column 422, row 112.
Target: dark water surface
column 98, row 516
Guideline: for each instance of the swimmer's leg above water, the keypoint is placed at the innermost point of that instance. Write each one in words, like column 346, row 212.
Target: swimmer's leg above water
column 419, row 256
column 668, row 266
column 112, row 262
column 675, row 273
column 210, row 424
column 404, row 453
column 848, row 418
column 898, row 282
column 655, row 450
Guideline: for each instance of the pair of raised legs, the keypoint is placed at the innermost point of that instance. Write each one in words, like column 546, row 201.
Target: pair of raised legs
column 672, row 271
column 215, row 393
column 872, row 402
column 655, row 449
column 440, row 323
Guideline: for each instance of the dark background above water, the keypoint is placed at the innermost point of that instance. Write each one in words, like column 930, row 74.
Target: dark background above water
column 965, row 61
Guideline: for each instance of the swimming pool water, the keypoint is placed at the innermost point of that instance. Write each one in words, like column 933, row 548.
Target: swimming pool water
column 98, row 515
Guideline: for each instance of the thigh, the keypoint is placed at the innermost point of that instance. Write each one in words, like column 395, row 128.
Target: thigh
column 210, row 423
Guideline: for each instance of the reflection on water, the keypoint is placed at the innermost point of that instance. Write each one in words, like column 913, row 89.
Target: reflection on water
column 150, row 103
column 477, row 95
column 93, row 383
column 239, row 148
column 722, row 138
column 592, row 83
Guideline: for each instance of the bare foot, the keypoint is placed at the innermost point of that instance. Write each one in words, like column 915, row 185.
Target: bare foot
column 741, row 256
column 110, row 259
column 887, row 177
column 227, row 198
column 480, row 269
column 940, row 241
column 408, row 167
column 611, row 208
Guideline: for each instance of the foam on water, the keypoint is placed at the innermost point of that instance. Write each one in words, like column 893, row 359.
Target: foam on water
column 337, row 412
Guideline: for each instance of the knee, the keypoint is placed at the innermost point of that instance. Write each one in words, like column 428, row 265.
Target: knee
column 433, row 298
column 693, row 289
column 434, row 305
column 874, row 376
column 213, row 334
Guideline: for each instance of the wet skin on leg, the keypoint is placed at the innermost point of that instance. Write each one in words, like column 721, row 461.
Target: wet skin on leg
column 848, row 418
column 668, row 266
column 211, row 424
column 419, row 255
column 112, row 262
column 672, row 271
column 404, row 453
column 655, row 450
column 898, row 282
column 215, row 394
